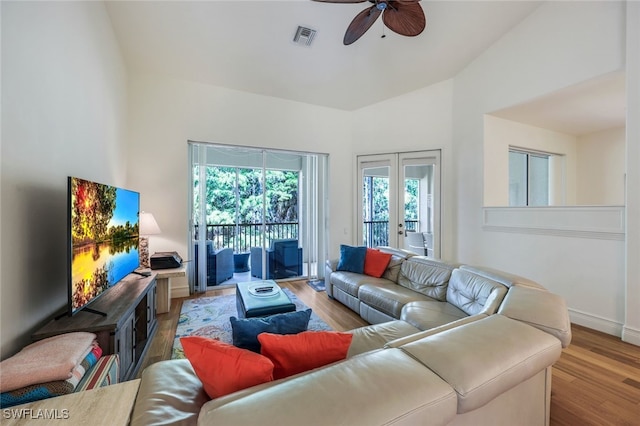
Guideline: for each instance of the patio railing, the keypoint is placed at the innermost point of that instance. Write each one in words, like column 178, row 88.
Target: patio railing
column 376, row 232
column 243, row 236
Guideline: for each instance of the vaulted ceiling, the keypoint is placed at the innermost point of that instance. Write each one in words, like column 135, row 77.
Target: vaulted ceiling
column 248, row 46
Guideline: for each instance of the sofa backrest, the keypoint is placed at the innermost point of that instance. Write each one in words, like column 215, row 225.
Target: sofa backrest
column 375, row 388
column 426, row 275
column 503, row 278
column 398, row 256
column 473, row 293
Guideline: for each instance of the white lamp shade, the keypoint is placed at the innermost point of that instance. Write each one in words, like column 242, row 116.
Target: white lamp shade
column 148, row 224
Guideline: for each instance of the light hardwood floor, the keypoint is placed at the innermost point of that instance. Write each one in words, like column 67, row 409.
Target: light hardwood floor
column 595, row 382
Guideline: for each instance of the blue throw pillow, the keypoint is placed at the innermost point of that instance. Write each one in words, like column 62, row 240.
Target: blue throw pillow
column 352, row 259
column 245, row 330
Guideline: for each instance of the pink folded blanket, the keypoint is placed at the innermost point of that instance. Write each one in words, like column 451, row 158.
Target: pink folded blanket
column 47, row 360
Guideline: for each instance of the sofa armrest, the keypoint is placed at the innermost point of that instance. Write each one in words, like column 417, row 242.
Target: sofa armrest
column 331, row 265
column 538, row 308
column 486, row 358
column 170, row 393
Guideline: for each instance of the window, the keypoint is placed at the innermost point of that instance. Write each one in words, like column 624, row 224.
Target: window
column 529, row 173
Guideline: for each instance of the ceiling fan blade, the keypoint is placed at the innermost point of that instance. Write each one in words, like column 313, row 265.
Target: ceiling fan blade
column 360, row 24
column 405, row 18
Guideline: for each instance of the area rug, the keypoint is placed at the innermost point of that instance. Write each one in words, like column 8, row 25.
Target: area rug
column 209, row 316
column 317, row 285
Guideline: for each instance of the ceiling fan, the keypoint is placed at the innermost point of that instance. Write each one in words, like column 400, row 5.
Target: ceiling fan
column 404, row 17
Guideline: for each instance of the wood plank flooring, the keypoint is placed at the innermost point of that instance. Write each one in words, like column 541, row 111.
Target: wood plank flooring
column 595, row 382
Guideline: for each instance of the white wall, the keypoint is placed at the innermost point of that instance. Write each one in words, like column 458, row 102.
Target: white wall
column 420, row 120
column 631, row 330
column 166, row 113
column 63, row 113
column 553, row 48
column 601, row 168
column 500, row 134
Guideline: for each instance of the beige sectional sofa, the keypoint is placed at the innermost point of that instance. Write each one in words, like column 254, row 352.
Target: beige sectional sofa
column 427, row 293
column 447, row 345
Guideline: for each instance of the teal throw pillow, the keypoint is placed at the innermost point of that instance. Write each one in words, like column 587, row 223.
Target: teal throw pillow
column 352, row 259
column 245, row 330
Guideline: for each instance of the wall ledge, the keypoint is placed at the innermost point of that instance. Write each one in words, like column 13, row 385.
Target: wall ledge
column 593, row 222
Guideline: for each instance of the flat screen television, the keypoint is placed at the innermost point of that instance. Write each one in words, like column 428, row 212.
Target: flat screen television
column 103, row 233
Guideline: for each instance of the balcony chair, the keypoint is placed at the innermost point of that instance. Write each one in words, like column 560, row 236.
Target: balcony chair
column 219, row 264
column 414, row 242
column 284, row 260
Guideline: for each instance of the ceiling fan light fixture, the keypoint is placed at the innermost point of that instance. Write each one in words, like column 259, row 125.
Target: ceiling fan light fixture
column 304, row 36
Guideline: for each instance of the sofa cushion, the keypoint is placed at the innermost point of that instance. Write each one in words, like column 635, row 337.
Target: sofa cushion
column 388, row 297
column 222, row 368
column 426, row 276
column 295, row 353
column 473, row 293
column 169, row 393
column 430, row 313
column 376, row 262
column 245, row 331
column 485, row 358
column 350, row 282
column 540, row 309
column 352, row 259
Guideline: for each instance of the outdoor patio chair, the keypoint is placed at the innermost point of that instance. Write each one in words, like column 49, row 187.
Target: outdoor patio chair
column 415, row 243
column 219, row 263
column 284, row 260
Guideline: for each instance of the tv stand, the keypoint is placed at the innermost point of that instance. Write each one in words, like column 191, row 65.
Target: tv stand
column 127, row 326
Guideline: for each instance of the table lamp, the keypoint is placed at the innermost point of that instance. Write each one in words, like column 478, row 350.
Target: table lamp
column 148, row 226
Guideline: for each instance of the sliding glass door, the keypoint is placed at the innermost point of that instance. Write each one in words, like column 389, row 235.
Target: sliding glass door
column 257, row 214
column 398, row 201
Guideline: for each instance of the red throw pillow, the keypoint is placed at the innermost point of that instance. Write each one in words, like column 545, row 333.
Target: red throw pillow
column 294, row 353
column 376, row 262
column 222, row 368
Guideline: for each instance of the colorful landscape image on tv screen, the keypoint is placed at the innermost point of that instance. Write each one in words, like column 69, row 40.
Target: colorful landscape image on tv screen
column 104, row 232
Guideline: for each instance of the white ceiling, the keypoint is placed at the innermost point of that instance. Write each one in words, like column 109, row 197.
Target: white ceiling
column 584, row 108
column 247, row 45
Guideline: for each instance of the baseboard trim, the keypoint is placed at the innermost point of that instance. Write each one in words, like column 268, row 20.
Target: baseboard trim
column 596, row 323
column 631, row 335
column 177, row 292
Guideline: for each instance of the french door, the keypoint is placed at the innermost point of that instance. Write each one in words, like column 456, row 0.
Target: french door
column 399, row 193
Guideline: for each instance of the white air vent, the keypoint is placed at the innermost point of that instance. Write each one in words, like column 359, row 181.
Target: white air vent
column 304, row 36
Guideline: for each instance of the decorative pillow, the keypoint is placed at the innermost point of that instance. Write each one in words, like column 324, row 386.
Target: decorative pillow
column 294, row 354
column 376, row 262
column 245, row 331
column 352, row 259
column 222, row 368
